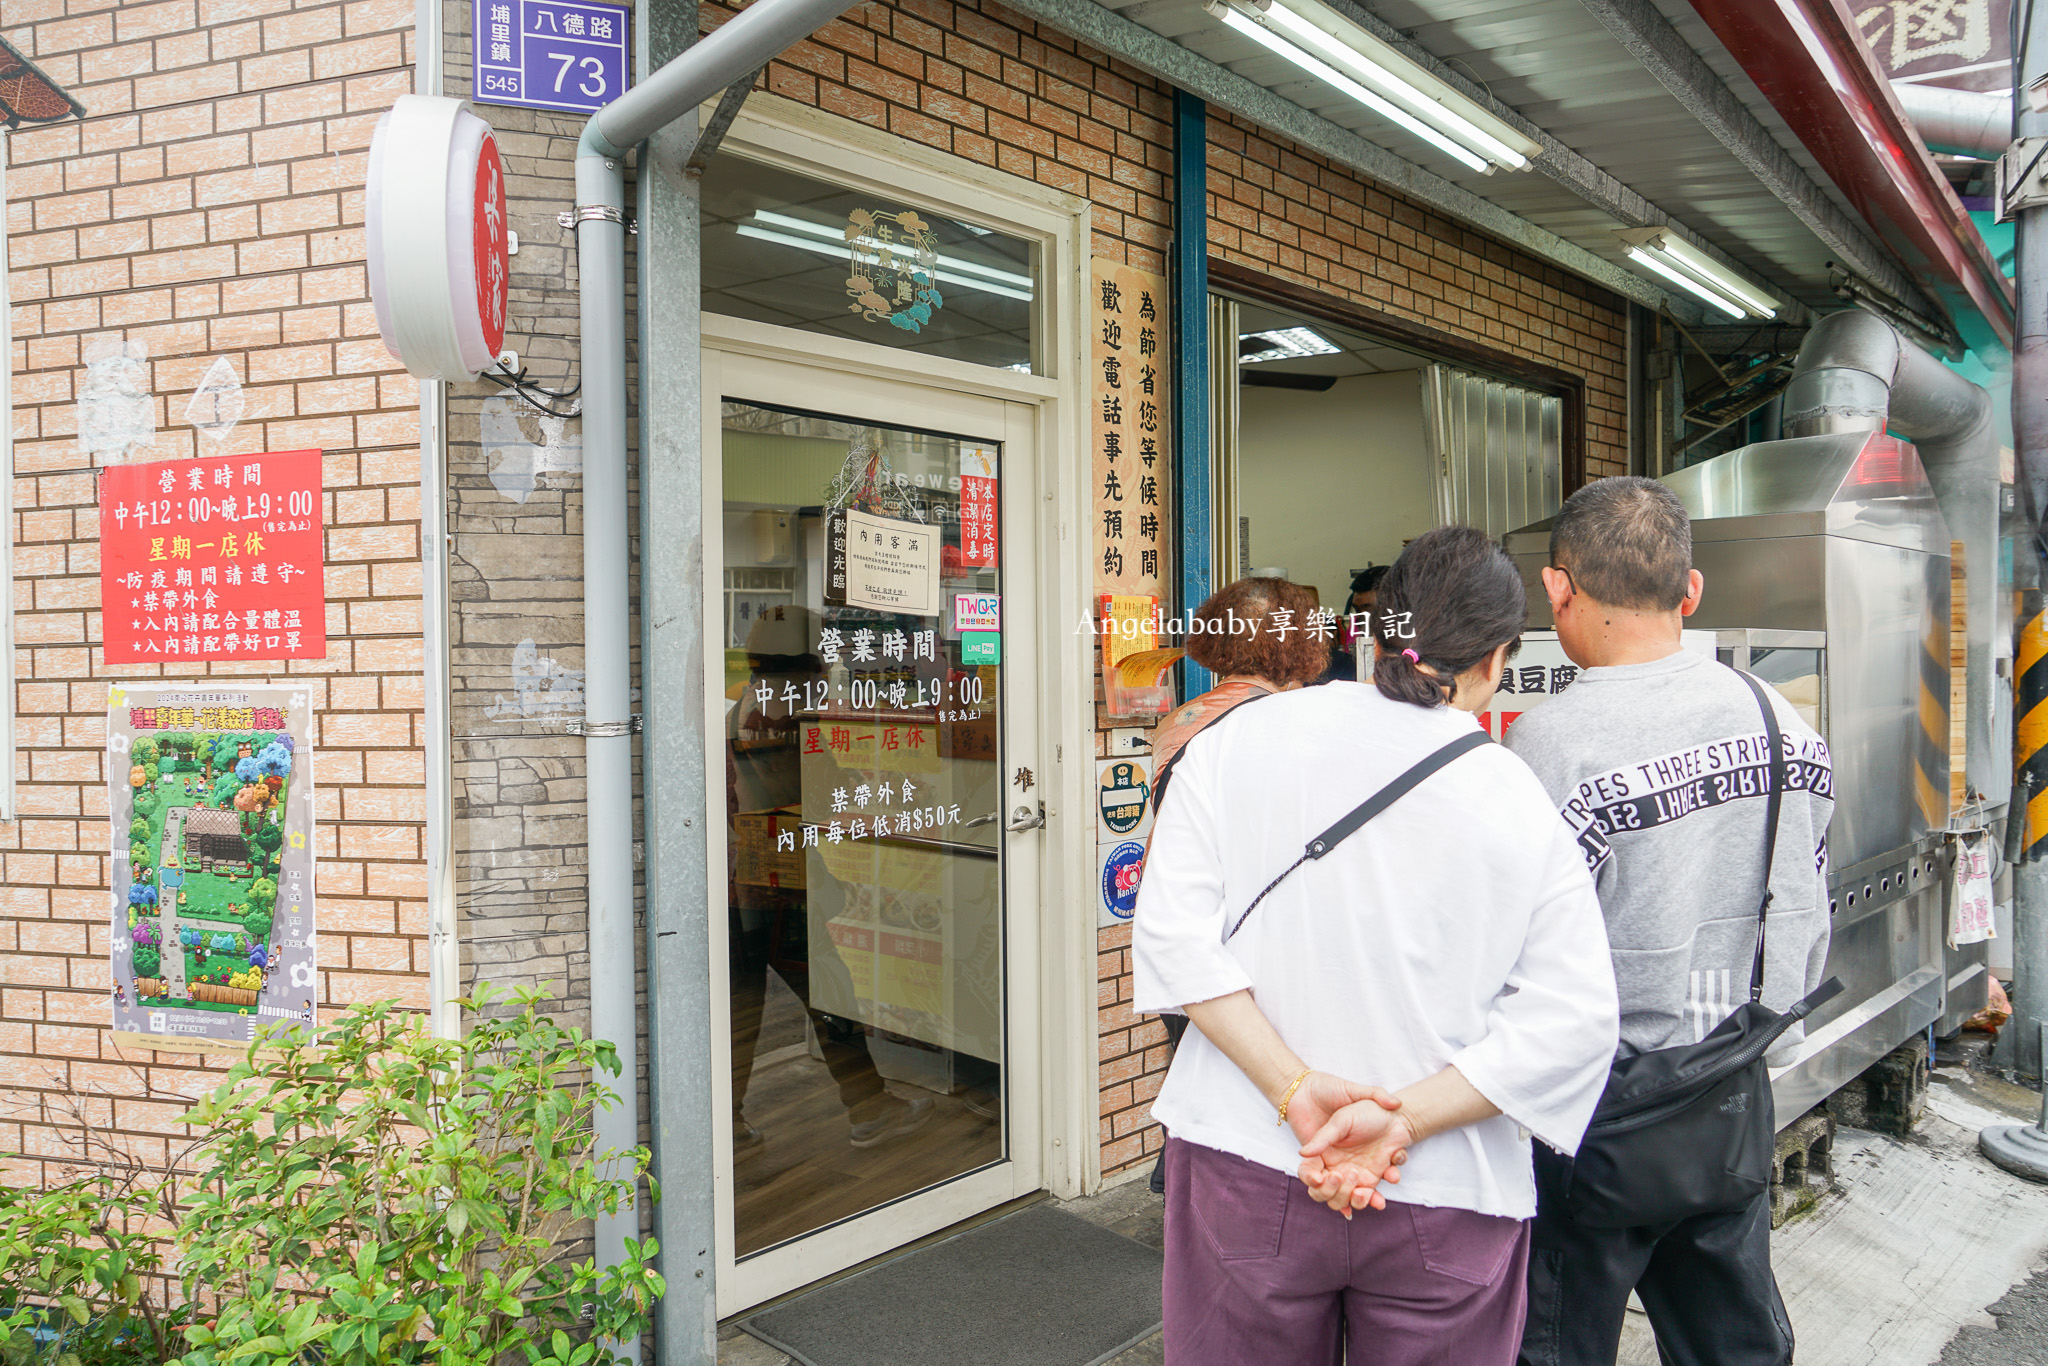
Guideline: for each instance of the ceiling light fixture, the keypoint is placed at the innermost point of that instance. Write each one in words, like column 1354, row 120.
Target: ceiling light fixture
column 1379, row 76
column 1284, row 343
column 828, row 240
column 1667, row 254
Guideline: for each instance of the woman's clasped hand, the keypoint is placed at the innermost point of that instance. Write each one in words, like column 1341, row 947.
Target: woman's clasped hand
column 1361, row 1143
column 1353, row 1138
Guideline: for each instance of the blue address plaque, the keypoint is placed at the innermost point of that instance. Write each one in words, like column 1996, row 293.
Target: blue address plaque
column 570, row 55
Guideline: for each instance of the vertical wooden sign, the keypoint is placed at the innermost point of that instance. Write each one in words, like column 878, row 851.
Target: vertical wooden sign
column 1128, row 383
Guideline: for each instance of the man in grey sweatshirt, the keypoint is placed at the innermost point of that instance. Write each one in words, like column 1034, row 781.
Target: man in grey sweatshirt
column 1656, row 757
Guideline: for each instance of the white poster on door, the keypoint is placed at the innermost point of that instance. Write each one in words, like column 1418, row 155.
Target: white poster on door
column 891, row 565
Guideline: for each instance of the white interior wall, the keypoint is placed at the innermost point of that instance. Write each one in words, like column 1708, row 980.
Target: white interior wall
column 1335, row 480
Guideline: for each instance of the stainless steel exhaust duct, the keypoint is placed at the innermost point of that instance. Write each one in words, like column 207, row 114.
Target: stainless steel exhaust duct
column 1856, row 372
column 1965, row 123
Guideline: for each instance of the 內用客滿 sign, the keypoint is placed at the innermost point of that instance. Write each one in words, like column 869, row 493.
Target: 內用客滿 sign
column 213, row 910
column 437, row 239
column 891, row 565
column 1128, row 410
column 213, row 559
column 551, row 54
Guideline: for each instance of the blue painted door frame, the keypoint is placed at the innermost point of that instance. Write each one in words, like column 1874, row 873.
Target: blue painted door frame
column 1191, row 437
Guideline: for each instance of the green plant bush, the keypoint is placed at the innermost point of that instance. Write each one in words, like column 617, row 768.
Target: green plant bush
column 387, row 1197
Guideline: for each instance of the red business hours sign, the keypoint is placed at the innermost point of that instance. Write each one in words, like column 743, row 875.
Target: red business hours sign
column 214, row 559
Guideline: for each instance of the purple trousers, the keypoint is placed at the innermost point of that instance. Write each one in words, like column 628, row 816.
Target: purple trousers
column 1257, row 1271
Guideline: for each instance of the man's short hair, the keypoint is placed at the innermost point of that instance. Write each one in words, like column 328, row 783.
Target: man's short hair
column 1627, row 542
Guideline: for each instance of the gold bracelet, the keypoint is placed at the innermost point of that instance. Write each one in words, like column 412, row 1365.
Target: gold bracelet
column 1292, row 1087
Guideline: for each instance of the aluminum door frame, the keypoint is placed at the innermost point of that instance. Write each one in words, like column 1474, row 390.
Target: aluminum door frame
column 757, row 363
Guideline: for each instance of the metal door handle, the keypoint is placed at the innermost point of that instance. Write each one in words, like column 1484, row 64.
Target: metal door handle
column 990, row 819
column 1023, row 819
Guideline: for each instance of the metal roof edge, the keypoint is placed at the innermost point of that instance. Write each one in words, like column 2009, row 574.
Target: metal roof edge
column 1809, row 60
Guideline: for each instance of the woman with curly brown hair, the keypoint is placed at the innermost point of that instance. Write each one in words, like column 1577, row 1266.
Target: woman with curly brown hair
column 1254, row 636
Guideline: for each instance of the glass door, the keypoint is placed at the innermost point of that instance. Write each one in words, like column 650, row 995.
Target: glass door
column 877, row 712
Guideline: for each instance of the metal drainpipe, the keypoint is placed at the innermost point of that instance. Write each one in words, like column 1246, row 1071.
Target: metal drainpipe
column 1856, row 372
column 741, row 46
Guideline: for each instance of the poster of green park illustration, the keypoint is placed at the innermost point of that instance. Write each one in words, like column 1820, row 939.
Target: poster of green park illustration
column 212, row 805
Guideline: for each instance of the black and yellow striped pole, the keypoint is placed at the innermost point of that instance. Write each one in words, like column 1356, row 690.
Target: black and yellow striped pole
column 2030, row 742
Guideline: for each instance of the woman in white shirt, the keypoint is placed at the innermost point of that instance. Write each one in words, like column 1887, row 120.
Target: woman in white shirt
column 1393, row 1019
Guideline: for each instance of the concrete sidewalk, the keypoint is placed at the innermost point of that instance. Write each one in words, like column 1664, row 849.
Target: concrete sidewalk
column 1899, row 1266
column 1920, row 1236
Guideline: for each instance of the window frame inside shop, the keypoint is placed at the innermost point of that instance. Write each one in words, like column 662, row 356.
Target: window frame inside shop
column 1228, row 277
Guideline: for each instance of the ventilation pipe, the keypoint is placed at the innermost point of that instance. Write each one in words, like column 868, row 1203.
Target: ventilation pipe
column 1857, row 373
column 1964, row 123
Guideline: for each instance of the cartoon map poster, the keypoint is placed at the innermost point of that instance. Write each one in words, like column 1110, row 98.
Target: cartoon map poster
column 212, row 806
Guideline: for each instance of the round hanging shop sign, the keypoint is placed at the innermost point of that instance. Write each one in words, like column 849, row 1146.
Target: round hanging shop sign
column 439, row 251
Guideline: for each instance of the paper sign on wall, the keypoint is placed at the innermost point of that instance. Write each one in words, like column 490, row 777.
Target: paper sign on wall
column 213, row 559
column 213, row 910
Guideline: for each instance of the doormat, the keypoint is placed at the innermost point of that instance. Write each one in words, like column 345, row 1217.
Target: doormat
column 1037, row 1288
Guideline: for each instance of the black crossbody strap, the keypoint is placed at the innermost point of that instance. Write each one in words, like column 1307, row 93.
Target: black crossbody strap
column 1773, row 800
column 1367, row 809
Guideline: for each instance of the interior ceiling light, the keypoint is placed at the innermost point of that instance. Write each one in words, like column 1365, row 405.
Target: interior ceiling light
column 1285, row 343
column 827, row 239
column 1692, row 270
column 1331, row 47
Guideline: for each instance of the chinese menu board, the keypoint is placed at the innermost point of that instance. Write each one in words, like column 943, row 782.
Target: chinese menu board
column 1129, row 381
column 213, row 920
column 213, row 559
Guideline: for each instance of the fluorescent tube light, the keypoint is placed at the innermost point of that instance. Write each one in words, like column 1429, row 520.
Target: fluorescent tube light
column 1380, row 77
column 1398, row 87
column 1687, row 283
column 1692, row 269
column 839, row 251
column 1285, row 343
column 1316, row 66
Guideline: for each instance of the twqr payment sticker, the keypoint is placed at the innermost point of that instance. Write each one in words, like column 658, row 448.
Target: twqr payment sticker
column 977, row 611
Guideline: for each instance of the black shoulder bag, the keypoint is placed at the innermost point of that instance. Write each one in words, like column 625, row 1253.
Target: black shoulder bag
column 1366, row 810
column 1685, row 1131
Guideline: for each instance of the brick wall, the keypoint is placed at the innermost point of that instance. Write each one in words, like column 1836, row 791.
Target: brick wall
column 210, row 204
column 982, row 82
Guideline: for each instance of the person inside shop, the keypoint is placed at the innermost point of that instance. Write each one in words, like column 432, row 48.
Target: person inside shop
column 769, row 926
column 1249, row 634
column 1379, row 1028
column 1354, row 622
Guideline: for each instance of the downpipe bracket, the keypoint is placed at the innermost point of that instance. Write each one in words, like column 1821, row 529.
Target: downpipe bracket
column 598, row 729
column 597, row 213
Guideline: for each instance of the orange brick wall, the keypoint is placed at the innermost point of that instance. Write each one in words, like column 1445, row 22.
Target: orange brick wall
column 982, row 82
column 210, row 204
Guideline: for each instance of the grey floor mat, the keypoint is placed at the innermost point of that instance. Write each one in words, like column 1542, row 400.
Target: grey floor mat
column 1039, row 1288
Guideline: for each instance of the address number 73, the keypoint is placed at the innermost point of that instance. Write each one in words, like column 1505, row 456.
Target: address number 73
column 591, row 88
